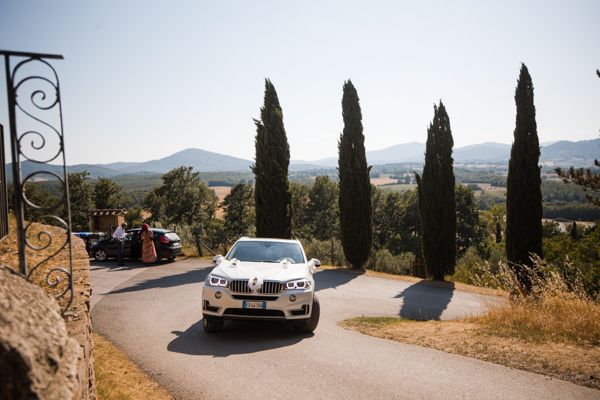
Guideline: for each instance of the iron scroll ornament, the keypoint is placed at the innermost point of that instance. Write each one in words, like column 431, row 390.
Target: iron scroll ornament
column 36, row 136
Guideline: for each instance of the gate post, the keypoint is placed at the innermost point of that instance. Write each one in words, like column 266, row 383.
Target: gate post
column 36, row 127
column 3, row 189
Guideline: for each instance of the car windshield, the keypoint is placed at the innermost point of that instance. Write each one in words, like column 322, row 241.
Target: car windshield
column 265, row 251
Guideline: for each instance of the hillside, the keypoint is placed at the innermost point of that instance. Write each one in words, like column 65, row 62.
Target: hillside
column 581, row 153
column 563, row 153
column 201, row 160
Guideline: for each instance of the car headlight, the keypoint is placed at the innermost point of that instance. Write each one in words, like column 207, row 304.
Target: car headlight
column 302, row 284
column 213, row 280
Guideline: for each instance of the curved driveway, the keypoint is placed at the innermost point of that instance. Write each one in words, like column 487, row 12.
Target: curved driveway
column 154, row 316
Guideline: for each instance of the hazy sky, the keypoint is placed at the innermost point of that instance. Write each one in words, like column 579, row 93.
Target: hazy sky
column 142, row 80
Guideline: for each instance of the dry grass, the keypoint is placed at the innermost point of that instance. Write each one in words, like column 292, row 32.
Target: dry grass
column 117, row 378
column 572, row 362
column 560, row 319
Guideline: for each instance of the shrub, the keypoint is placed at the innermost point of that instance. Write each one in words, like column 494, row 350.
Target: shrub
column 384, row 261
column 470, row 265
column 329, row 252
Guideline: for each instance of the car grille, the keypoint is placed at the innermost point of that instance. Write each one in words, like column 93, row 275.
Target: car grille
column 253, row 297
column 245, row 312
column 268, row 287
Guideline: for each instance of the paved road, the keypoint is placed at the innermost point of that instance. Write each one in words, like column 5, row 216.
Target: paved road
column 154, row 315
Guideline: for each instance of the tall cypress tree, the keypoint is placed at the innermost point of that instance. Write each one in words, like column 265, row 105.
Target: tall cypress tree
column 524, row 195
column 271, row 194
column 355, row 186
column 437, row 201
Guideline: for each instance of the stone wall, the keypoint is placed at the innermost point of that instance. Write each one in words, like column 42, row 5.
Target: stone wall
column 80, row 326
column 38, row 359
column 44, row 355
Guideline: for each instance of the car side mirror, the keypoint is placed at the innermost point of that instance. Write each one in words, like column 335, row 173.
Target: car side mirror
column 218, row 259
column 313, row 264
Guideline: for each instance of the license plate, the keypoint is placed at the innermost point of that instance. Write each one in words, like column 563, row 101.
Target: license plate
column 254, row 304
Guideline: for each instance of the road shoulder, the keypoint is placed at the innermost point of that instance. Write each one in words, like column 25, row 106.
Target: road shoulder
column 573, row 363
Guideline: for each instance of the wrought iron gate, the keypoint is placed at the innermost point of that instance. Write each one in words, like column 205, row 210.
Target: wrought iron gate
column 36, row 145
column 3, row 193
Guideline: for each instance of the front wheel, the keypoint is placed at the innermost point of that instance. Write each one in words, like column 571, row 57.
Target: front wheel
column 212, row 324
column 309, row 325
column 100, row 255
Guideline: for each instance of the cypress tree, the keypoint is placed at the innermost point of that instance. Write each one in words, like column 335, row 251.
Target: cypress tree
column 437, row 201
column 498, row 232
column 574, row 233
column 524, row 195
column 355, row 186
column 271, row 193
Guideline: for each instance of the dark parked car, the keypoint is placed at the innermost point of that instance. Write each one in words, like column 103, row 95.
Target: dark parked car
column 167, row 243
column 89, row 238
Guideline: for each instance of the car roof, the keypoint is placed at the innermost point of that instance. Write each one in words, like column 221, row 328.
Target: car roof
column 247, row 239
column 157, row 230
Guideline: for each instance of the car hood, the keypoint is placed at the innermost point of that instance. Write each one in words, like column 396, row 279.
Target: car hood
column 262, row 270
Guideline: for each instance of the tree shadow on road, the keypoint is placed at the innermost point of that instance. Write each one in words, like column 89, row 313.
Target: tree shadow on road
column 114, row 266
column 425, row 300
column 332, row 278
column 237, row 337
column 129, row 264
column 185, row 278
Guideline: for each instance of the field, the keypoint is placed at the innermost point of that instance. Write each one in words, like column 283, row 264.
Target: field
column 489, row 188
column 400, row 187
column 384, row 180
column 221, row 192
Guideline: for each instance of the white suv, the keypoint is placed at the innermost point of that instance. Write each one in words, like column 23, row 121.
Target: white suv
column 264, row 279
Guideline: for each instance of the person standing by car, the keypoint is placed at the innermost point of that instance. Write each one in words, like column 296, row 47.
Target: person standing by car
column 119, row 235
column 148, row 249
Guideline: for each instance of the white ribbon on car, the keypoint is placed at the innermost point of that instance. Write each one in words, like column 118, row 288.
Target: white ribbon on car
column 255, row 284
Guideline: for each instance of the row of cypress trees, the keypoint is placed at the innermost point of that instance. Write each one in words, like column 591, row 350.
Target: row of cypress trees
column 436, row 185
column 437, row 203
column 272, row 195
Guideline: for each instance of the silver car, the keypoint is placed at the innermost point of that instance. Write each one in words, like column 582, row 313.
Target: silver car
column 262, row 279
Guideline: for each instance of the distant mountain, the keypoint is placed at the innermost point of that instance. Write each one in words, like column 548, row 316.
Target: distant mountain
column 407, row 152
column 28, row 167
column 484, row 152
column 581, row 153
column 299, row 165
column 414, row 152
column 563, row 153
column 201, row 160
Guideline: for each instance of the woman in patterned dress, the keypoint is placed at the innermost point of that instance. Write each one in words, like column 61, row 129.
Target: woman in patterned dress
column 148, row 249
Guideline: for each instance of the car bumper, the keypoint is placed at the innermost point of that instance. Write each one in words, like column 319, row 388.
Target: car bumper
column 170, row 251
column 231, row 306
